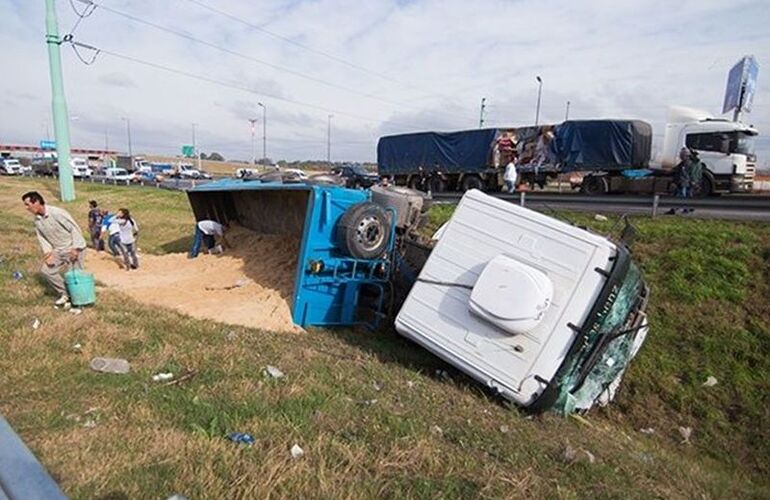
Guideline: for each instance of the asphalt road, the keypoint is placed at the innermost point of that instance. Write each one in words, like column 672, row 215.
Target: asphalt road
column 732, row 207
column 729, row 207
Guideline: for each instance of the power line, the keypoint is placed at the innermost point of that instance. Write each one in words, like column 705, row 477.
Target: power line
column 222, row 83
column 316, row 51
column 290, row 71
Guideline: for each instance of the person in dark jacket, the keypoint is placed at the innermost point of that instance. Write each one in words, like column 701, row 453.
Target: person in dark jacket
column 682, row 174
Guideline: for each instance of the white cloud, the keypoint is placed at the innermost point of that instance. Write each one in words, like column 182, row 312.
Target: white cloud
column 433, row 60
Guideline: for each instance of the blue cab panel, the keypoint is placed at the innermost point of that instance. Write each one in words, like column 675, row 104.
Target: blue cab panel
column 329, row 286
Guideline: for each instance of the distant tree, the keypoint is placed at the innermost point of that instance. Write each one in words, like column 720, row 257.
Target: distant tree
column 203, row 156
column 216, row 157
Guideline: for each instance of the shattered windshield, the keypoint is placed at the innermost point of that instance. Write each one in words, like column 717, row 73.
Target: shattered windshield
column 612, row 344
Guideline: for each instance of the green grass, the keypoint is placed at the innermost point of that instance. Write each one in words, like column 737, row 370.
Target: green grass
column 708, row 314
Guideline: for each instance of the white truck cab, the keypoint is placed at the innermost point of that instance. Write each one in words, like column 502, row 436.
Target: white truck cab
column 543, row 313
column 80, row 168
column 726, row 148
column 187, row 171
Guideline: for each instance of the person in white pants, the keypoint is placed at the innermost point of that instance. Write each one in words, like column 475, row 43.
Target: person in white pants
column 509, row 177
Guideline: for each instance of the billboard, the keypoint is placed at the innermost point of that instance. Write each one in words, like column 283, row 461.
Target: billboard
column 741, row 85
column 47, row 144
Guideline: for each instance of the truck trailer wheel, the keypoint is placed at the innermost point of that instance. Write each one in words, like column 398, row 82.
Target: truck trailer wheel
column 363, row 231
column 472, row 182
column 594, row 185
column 437, row 184
column 706, row 187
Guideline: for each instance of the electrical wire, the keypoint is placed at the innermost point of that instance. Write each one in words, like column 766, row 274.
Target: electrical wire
column 226, row 84
column 316, row 51
column 247, row 57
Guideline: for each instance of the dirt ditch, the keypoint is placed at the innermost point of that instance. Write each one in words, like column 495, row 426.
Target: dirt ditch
column 251, row 284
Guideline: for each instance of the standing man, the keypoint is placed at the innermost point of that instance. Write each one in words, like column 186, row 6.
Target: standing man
column 509, row 177
column 60, row 239
column 95, row 225
column 205, row 232
column 682, row 174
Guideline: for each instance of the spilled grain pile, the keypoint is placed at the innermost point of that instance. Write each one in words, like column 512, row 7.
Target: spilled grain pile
column 251, row 284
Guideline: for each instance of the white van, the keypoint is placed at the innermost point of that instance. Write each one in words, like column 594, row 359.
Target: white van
column 80, row 168
column 543, row 313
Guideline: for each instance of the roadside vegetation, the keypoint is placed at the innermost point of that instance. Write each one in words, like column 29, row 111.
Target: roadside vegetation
column 376, row 415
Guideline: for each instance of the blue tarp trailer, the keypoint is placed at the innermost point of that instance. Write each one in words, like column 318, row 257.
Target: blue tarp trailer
column 477, row 158
column 332, row 285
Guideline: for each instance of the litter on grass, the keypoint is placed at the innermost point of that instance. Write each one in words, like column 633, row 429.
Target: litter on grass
column 110, row 365
column 241, row 438
column 296, row 451
column 273, row 372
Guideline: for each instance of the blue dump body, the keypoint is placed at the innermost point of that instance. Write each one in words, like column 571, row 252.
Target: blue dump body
column 329, row 286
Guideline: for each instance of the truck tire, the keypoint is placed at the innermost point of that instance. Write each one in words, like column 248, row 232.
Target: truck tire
column 414, row 182
column 363, row 231
column 594, row 185
column 706, row 187
column 471, row 182
column 437, row 184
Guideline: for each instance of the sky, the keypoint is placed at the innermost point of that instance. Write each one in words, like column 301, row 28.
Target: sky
column 353, row 71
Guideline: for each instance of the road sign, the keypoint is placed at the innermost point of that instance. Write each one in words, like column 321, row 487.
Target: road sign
column 188, row 151
column 47, row 144
column 741, row 85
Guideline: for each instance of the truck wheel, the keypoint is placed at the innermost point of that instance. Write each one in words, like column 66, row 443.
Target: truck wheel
column 363, row 231
column 472, row 182
column 437, row 185
column 594, row 185
column 705, row 189
column 414, row 182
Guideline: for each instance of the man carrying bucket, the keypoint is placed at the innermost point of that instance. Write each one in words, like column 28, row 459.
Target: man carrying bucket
column 61, row 240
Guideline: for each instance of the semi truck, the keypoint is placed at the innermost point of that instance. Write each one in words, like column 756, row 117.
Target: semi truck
column 131, row 163
column 613, row 156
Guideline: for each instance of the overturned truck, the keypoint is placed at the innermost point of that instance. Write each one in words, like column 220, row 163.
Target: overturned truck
column 543, row 313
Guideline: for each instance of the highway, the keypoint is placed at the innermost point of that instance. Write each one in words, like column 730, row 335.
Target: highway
column 729, row 207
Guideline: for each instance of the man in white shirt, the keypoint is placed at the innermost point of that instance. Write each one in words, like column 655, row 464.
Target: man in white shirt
column 509, row 177
column 206, row 232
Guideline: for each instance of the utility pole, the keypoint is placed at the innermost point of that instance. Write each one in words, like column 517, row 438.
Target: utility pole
column 106, row 141
column 264, row 131
column 566, row 115
column 539, row 92
column 59, row 104
column 329, row 140
column 128, row 133
column 195, row 150
column 253, row 122
column 481, row 114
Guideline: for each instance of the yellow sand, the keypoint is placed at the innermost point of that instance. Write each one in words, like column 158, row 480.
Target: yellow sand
column 263, row 267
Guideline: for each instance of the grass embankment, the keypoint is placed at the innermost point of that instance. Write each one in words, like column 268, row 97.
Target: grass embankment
column 367, row 407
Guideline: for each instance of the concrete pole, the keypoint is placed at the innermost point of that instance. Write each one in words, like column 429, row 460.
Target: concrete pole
column 539, row 92
column 264, row 131
column 253, row 122
column 329, row 139
column 481, row 113
column 59, row 104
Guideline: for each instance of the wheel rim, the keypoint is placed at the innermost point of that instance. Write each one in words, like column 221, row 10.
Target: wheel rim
column 369, row 233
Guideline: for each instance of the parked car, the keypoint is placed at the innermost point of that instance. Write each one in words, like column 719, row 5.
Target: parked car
column 80, row 168
column 356, row 176
column 118, row 174
column 45, row 165
column 297, row 173
column 152, row 177
column 10, row 166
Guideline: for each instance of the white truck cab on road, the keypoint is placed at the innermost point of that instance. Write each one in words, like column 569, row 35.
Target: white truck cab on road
column 725, row 147
column 80, row 168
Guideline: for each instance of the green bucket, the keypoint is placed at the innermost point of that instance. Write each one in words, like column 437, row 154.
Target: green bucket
column 81, row 287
